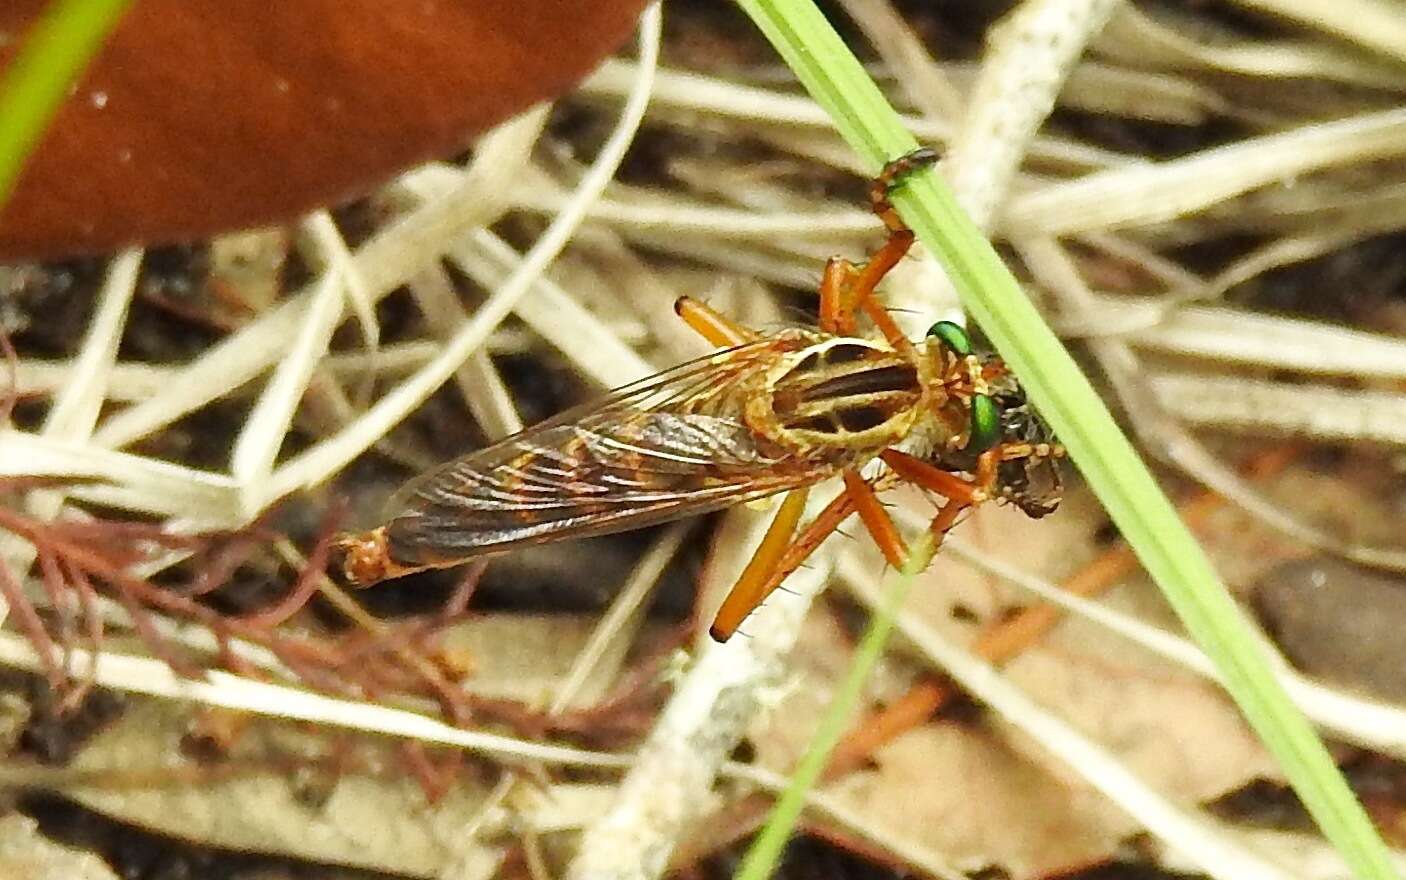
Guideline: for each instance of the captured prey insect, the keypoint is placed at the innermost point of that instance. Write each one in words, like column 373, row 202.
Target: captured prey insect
column 767, row 414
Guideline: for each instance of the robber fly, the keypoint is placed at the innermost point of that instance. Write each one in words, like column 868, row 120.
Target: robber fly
column 767, row 414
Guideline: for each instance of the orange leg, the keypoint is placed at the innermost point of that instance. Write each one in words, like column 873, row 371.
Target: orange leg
column 811, row 537
column 881, row 527
column 945, row 519
column 884, row 321
column 836, row 315
column 899, row 242
column 891, row 175
column 779, row 556
column 875, row 519
column 960, row 494
column 868, row 279
column 847, row 288
column 858, row 496
column 935, row 479
column 756, row 581
column 713, row 325
column 986, row 465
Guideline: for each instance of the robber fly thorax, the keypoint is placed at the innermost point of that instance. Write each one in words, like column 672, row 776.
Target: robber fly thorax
column 842, row 399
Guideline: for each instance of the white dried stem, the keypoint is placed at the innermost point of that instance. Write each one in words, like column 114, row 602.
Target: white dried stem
column 594, row 348
column 1136, row 38
column 1312, row 857
column 222, row 369
column 1166, row 436
column 1235, row 336
column 1153, row 97
column 332, row 454
column 1162, row 191
column 1282, row 409
column 756, row 263
column 133, row 382
column 1375, row 24
column 556, row 316
column 663, row 793
column 75, row 408
column 127, row 382
column 331, row 254
column 479, row 384
column 1161, row 269
column 921, row 80
column 143, row 675
column 599, row 660
column 263, row 432
column 384, row 262
column 697, row 94
column 596, row 665
column 129, row 482
column 678, row 216
column 1030, row 55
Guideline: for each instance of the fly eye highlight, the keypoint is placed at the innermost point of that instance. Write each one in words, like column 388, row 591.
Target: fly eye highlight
column 985, row 424
column 985, row 430
column 953, row 336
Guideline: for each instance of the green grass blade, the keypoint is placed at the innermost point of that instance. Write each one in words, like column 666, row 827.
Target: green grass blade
column 1064, row 396
column 55, row 51
column 766, row 849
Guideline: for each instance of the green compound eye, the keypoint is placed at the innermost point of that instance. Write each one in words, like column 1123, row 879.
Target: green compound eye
column 986, row 425
column 952, row 336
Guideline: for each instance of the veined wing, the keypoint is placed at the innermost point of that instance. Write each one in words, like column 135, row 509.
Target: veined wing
column 670, row 446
